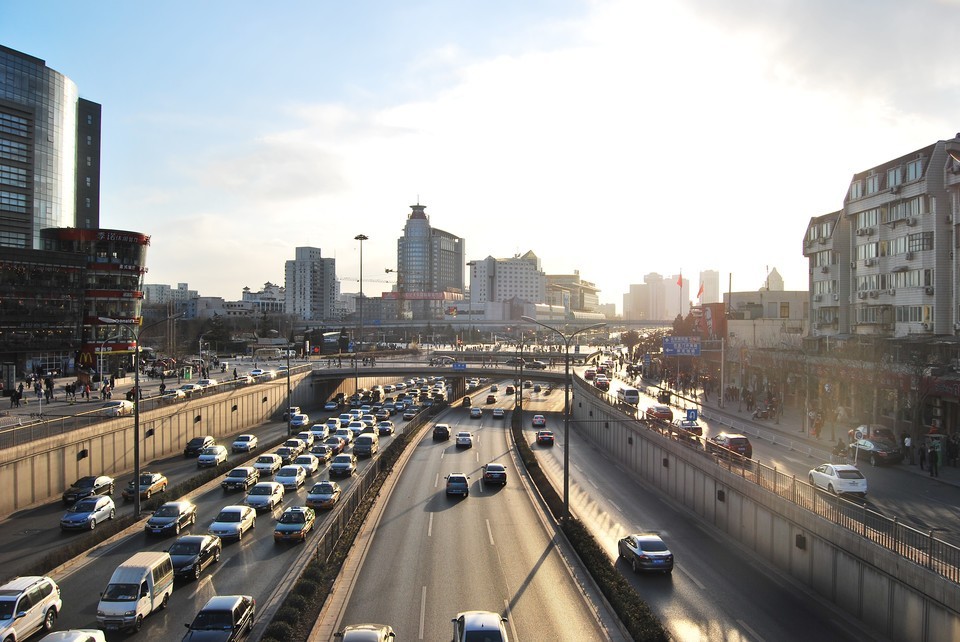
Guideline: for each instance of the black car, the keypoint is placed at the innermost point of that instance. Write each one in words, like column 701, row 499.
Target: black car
column 191, row 554
column 87, row 487
column 726, row 443
column 646, row 552
column 241, row 478
column 441, row 432
column 170, row 518
column 195, row 445
column 224, row 618
column 876, row 451
column 535, row 365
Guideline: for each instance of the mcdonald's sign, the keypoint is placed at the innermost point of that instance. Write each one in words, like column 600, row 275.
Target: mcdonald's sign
column 85, row 358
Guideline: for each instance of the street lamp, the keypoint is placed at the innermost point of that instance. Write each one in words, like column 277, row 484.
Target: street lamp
column 136, row 331
column 566, row 404
column 359, row 350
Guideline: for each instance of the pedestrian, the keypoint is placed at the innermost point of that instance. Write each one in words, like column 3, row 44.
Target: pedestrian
column 934, row 458
column 908, row 448
column 923, row 456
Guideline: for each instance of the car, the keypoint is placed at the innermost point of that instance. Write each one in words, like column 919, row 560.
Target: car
column 268, row 463
column 336, row 444
column 385, row 428
column 309, row 463
column 726, row 443
column 332, row 405
column 458, row 484
column 264, row 496
column 441, row 432
column 75, row 635
column 28, row 604
column 149, row 484
column 300, row 420
column 494, row 388
column 191, row 554
column 876, row 451
column 294, row 524
column 324, row 494
column 88, row 512
column 390, row 407
column 494, row 473
column 345, row 434
column 197, row 444
column 244, row 443
column 191, row 389
column 409, row 414
column 207, row 383
column 307, row 437
column 479, row 625
column 491, row 398
column 322, row 452
column 344, row 419
column 476, row 412
column 333, row 423
column 545, row 438
column 117, row 408
column 233, row 522
column 296, row 444
column 692, row 427
column 212, row 456
column 509, row 390
column 291, row 477
column 343, row 465
column 171, row 517
column 539, row 421
column 366, row 633
column 659, row 411
column 383, row 414
column 286, row 454
column 536, row 387
column 172, row 395
column 257, row 372
column 839, row 479
column 645, row 552
column 89, row 486
column 499, row 413
column 290, row 412
column 535, row 365
column 357, row 428
column 513, row 362
column 240, row 478
column 464, row 439
column 224, row 618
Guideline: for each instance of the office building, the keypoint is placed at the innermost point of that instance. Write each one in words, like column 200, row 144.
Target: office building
column 310, row 288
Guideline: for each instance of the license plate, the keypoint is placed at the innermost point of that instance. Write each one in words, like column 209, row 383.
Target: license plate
column 658, row 561
column 158, row 530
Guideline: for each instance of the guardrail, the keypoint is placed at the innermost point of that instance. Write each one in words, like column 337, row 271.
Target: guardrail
column 920, row 547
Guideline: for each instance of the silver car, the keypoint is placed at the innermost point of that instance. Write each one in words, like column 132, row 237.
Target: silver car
column 265, row 496
column 233, row 521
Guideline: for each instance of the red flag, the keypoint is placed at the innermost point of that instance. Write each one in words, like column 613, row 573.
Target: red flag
column 700, row 291
column 680, row 280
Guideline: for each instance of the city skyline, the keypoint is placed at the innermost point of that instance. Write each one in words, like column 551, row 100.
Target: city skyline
column 572, row 129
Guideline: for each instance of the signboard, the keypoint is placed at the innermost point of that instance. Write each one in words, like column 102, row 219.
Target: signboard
column 691, row 414
column 459, row 366
column 646, row 361
column 681, row 346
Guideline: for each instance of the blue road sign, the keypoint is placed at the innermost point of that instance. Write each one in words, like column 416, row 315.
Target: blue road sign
column 692, row 414
column 681, row 346
column 646, row 360
column 459, row 366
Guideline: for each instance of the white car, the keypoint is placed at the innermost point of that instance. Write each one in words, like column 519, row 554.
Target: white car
column 345, row 434
column 256, row 372
column 118, row 408
column 498, row 413
column 309, row 463
column 331, row 405
column 292, row 477
column 300, row 420
column 333, row 423
column 307, row 437
column 483, row 625
column 476, row 412
column 244, row 443
column 319, row 432
column 207, row 383
column 264, row 496
column 839, row 479
column 356, row 427
column 232, row 522
column 212, row 456
column 344, row 419
column 464, row 439
column 75, row 635
column 268, row 464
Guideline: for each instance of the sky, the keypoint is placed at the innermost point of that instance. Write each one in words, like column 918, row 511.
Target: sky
column 614, row 138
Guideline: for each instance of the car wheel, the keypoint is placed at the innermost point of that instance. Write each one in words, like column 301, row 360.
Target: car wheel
column 832, row 489
column 138, row 624
column 93, row 523
column 193, row 520
column 873, row 460
column 165, row 601
column 253, row 524
column 49, row 619
column 176, row 528
column 633, row 564
column 810, row 479
column 147, row 494
column 113, row 513
column 239, row 534
column 110, row 490
column 216, row 556
column 196, row 571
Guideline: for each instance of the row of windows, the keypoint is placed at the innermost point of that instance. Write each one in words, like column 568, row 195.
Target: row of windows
column 13, row 176
column 894, row 176
column 916, row 242
column 913, row 313
column 13, row 239
column 908, row 279
column 10, row 124
column 12, row 202
column 820, row 231
column 828, row 286
column 13, row 150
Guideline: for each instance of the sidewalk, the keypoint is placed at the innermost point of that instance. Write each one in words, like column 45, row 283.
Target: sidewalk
column 790, row 430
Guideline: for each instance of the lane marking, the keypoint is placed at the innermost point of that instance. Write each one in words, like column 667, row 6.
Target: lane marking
column 749, row 630
column 614, row 504
column 423, row 606
column 592, row 483
column 430, row 526
column 436, row 480
column 692, row 578
column 490, row 533
column 506, row 614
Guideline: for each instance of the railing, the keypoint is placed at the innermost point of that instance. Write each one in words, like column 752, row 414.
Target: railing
column 920, row 547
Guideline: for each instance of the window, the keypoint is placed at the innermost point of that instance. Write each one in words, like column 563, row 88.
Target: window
column 868, row 250
column 868, row 218
column 873, row 184
column 784, row 310
column 915, row 169
column 920, row 241
column 894, row 176
column 856, row 189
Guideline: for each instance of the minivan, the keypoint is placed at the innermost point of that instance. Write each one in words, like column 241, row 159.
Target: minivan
column 629, row 396
column 138, row 587
column 366, row 445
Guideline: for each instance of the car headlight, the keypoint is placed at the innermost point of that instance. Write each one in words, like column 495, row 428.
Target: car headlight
column 100, row 613
column 129, row 613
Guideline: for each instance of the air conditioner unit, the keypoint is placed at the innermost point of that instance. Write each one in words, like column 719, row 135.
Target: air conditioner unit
column 861, row 295
column 891, row 292
column 949, row 218
column 853, row 265
column 869, row 231
column 825, row 269
column 911, row 222
column 836, row 297
column 895, row 189
column 908, row 256
column 822, row 240
column 928, row 289
column 874, row 294
column 861, row 231
column 925, row 326
column 869, row 262
column 816, row 297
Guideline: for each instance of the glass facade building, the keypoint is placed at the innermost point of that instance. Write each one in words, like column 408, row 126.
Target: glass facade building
column 430, row 270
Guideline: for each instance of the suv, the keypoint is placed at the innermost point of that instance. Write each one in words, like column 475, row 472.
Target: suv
column 223, row 618
column 479, row 625
column 35, row 596
column 197, row 444
column 458, row 484
column 725, row 443
column 441, row 432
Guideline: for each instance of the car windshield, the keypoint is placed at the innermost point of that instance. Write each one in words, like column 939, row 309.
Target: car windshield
column 849, row 474
column 228, row 516
column 145, row 480
column 292, row 517
column 243, row 438
column 212, row 621
column 265, row 460
column 212, row 450
column 261, row 490
column 322, row 489
column 304, row 460
column 120, row 593
column 185, row 548
column 341, row 459
column 195, row 442
column 288, row 471
column 237, row 473
column 167, row 511
column 6, row 609
column 84, row 482
column 83, row 506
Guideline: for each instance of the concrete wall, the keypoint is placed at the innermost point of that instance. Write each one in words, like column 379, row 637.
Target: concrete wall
column 902, row 600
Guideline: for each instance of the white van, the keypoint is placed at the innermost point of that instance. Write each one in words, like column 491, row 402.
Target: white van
column 366, row 445
column 629, row 395
column 138, row 587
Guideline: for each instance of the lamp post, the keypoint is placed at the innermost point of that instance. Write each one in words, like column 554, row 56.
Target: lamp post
column 103, row 345
column 289, row 393
column 135, row 332
column 356, row 373
column 566, row 404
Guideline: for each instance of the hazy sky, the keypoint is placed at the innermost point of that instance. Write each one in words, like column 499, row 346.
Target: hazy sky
column 614, row 138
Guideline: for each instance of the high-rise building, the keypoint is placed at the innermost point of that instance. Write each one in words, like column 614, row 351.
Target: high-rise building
column 311, row 286
column 430, row 271
column 49, row 152
column 500, row 280
column 710, row 282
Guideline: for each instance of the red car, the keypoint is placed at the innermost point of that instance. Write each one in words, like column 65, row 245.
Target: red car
column 659, row 412
column 545, row 438
column 539, row 421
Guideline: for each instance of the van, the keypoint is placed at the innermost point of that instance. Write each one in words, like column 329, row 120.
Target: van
column 629, row 396
column 138, row 587
column 366, row 445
